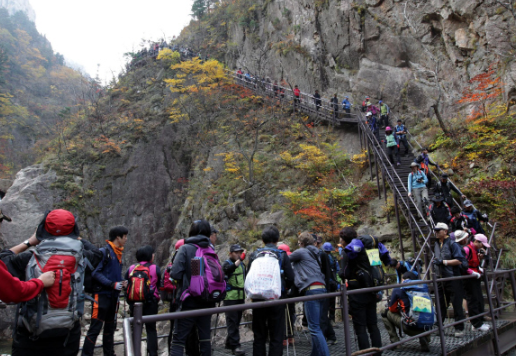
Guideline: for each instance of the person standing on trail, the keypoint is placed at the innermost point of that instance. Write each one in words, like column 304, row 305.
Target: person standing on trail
column 474, row 216
column 335, row 106
column 235, row 271
column 297, row 94
column 317, row 100
column 371, row 121
column 445, row 187
column 310, row 280
column 384, row 114
column 392, row 146
column 417, row 187
column 275, row 88
column 439, row 210
column 460, row 221
column 401, row 134
column 364, row 104
column 108, row 275
column 346, row 105
column 448, row 258
column 425, row 162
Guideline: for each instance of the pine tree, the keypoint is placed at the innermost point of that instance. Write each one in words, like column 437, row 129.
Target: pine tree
column 198, row 9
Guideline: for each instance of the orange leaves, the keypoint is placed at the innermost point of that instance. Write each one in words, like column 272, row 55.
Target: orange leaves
column 109, row 146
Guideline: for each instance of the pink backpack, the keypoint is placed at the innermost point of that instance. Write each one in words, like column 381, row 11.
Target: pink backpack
column 168, row 286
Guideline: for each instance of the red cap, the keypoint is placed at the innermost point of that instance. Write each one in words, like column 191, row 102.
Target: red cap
column 60, row 222
column 285, row 248
column 179, row 244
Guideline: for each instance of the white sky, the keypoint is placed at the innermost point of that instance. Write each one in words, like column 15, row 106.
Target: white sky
column 100, row 31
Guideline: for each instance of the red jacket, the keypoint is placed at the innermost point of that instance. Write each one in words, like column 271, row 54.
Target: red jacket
column 297, row 92
column 14, row 291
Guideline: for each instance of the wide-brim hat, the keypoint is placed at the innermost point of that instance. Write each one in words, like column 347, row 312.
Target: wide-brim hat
column 55, row 223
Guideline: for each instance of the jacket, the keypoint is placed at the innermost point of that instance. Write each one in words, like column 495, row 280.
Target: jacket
column 413, row 180
column 475, row 217
column 181, row 269
column 155, row 276
column 317, row 99
column 446, row 189
column 460, row 223
column 287, row 277
column 108, row 272
column 15, row 291
column 235, row 277
column 400, row 128
column 346, row 104
column 384, row 109
column 335, row 103
column 390, row 140
column 307, row 267
column 441, row 213
column 449, row 250
column 399, row 302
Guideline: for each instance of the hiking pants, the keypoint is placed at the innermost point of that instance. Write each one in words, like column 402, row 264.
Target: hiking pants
column 475, row 299
column 173, row 307
column 233, row 322
column 23, row 345
column 419, row 194
column 332, row 308
column 314, row 314
column 393, row 322
column 362, row 308
column 384, row 120
column 393, row 152
column 326, row 327
column 182, row 329
column 405, row 143
column 103, row 314
column 452, row 292
column 269, row 322
column 150, row 308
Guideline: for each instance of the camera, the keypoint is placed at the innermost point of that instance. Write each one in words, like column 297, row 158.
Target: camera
column 420, row 180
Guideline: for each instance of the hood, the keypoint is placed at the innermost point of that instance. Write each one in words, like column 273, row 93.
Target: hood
column 313, row 249
column 200, row 240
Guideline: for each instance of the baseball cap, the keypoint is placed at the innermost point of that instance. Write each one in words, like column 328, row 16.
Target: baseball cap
column 58, row 222
column 440, row 226
column 235, row 248
column 368, row 114
column 285, row 248
column 327, row 246
column 214, row 230
column 482, row 238
column 413, row 164
column 460, row 235
column 467, row 203
column 179, row 244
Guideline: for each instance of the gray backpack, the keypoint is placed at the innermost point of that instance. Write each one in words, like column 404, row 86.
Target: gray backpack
column 56, row 310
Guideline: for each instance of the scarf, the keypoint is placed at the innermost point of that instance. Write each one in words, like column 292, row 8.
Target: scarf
column 118, row 250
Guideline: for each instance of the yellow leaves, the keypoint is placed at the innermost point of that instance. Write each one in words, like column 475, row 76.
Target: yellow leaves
column 310, row 156
column 194, row 76
column 169, row 56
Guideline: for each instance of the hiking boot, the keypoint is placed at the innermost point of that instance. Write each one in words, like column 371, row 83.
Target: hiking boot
column 332, row 342
column 459, row 334
column 484, row 327
column 238, row 351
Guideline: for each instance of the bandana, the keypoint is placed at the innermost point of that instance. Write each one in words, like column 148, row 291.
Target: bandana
column 118, row 250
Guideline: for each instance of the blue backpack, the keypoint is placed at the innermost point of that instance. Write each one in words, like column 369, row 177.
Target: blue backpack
column 421, row 315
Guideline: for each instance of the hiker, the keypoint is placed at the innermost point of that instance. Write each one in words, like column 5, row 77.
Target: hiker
column 239, row 73
column 392, row 146
column 406, row 266
column 334, row 266
column 372, row 109
column 475, row 252
column 310, row 280
column 56, row 234
column 331, row 285
column 417, row 187
column 398, row 314
column 384, row 113
column 213, row 236
column 297, row 93
column 317, row 100
column 356, row 267
column 424, row 161
column 335, row 106
column 235, row 271
column 401, row 134
column 270, row 322
column 170, row 288
column 439, row 210
column 138, row 276
column 364, row 104
column 346, row 105
column 460, row 221
column 445, row 187
column 474, row 216
column 448, row 258
column 371, row 121
column 108, row 275
column 192, row 284
column 275, row 88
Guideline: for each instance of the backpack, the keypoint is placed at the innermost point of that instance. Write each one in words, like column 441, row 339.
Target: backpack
column 139, row 284
column 374, row 276
column 421, row 314
column 408, row 265
column 56, row 310
column 264, row 278
column 91, row 286
column 168, row 287
column 207, row 279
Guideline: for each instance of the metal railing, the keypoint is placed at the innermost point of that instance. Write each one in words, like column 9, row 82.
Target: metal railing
column 133, row 326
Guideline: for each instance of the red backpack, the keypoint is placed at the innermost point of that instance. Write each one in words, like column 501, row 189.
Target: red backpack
column 168, row 285
column 139, row 286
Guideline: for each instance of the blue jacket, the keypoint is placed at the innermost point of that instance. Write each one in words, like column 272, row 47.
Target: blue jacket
column 346, row 104
column 108, row 272
column 413, row 183
column 400, row 128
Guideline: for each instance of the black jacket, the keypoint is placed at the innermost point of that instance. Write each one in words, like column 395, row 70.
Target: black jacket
column 287, row 277
column 181, row 269
column 440, row 213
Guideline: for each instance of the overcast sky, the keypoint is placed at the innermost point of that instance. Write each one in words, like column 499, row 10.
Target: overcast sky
column 101, row 31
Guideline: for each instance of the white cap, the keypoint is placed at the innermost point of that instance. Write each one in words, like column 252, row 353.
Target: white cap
column 441, row 226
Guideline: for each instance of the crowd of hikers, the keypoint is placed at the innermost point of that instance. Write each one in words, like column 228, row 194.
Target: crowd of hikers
column 54, row 273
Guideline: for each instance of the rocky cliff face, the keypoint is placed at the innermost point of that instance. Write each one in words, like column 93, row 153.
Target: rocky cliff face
column 13, row 6
column 411, row 54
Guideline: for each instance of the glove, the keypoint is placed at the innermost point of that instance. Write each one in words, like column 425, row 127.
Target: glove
column 481, row 270
column 485, row 217
column 118, row 286
column 478, row 275
column 438, row 262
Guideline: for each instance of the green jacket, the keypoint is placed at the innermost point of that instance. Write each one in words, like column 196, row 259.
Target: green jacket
column 390, row 140
column 235, row 280
column 384, row 109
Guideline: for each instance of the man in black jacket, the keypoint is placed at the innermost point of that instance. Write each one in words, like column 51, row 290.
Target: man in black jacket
column 439, row 210
column 271, row 321
column 445, row 187
column 181, row 271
